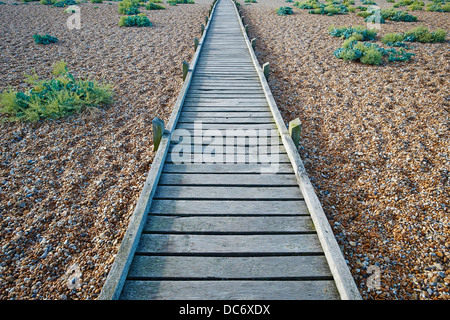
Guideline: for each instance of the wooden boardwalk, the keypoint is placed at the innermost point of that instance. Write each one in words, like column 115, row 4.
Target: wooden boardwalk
column 228, row 229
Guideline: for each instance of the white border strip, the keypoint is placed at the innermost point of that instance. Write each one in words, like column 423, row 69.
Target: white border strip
column 339, row 269
column 116, row 278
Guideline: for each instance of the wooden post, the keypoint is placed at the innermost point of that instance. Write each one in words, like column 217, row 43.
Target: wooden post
column 195, row 43
column 253, row 42
column 295, row 128
column 246, row 28
column 158, row 129
column 185, row 69
column 202, row 28
column 266, row 70
column 206, row 20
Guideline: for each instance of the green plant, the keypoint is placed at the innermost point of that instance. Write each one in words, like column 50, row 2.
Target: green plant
column 347, row 32
column 129, row 7
column 60, row 3
column 370, row 53
column 59, row 97
column 446, row 7
column 251, row 1
column 417, row 34
column 45, row 39
column 368, row 2
column 175, row 2
column 96, row 1
column 139, row 20
column 392, row 38
column 154, row 6
column 283, row 11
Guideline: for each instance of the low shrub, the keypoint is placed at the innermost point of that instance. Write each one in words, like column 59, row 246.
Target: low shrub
column 310, row 4
column 175, row 2
column 139, row 20
column 59, row 97
column 348, row 32
column 59, row 3
column 418, row 34
column 283, row 11
column 96, row 1
column 154, row 6
column 129, row 7
column 389, row 14
column 368, row 2
column 364, row 14
column 251, row 1
column 45, row 39
column 370, row 53
column 329, row 9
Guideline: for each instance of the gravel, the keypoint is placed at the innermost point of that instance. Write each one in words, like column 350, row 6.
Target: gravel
column 69, row 186
column 375, row 142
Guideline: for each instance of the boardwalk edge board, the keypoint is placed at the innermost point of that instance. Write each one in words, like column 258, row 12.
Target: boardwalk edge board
column 116, row 277
column 339, row 269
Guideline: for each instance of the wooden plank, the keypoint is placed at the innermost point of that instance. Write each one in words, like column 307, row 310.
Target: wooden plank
column 280, row 244
column 235, row 114
column 235, row 156
column 228, row 179
column 229, row 290
column 234, row 120
column 197, row 224
column 225, row 168
column 174, row 267
column 231, row 207
column 228, row 126
column 219, row 109
column 224, row 192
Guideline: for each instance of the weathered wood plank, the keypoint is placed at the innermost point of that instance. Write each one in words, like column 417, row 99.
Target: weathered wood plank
column 229, row 207
column 229, row 115
column 224, row 192
column 267, row 224
column 229, row 126
column 170, row 267
column 226, row 168
column 229, row 290
column 234, row 120
column 219, row 109
column 228, row 179
column 280, row 244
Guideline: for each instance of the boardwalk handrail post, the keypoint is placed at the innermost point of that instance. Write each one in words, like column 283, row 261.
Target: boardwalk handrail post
column 265, row 68
column 253, row 42
column 195, row 43
column 295, row 128
column 202, row 28
column 185, row 69
column 158, row 130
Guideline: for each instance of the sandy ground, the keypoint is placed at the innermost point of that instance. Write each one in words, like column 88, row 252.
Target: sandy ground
column 375, row 142
column 68, row 187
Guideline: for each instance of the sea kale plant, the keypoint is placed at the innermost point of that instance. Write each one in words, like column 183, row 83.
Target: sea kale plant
column 45, row 39
column 283, row 11
column 55, row 98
